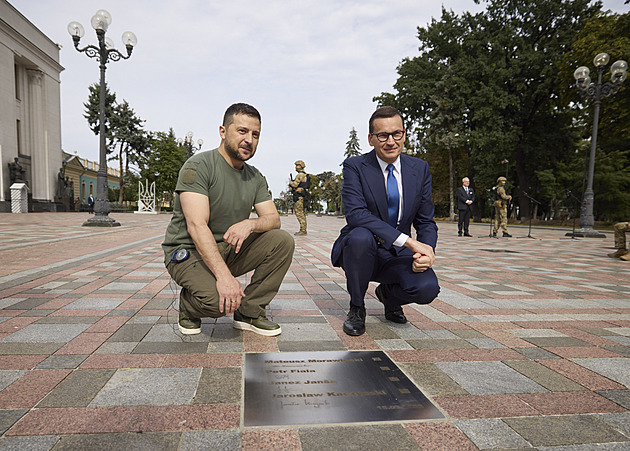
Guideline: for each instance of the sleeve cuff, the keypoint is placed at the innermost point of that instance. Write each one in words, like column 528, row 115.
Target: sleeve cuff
column 400, row 241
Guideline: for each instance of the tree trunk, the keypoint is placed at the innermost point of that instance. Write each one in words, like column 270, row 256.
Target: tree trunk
column 450, row 184
column 122, row 176
column 523, row 184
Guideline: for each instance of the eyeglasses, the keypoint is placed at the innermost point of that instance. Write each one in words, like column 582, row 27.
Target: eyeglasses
column 384, row 137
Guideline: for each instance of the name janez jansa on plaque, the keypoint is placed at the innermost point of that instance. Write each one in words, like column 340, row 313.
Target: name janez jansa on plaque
column 326, row 381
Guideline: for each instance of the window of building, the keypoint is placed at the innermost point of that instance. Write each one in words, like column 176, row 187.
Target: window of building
column 18, row 84
column 18, row 129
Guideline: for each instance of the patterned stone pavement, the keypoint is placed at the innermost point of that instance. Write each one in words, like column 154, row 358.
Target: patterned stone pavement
column 526, row 347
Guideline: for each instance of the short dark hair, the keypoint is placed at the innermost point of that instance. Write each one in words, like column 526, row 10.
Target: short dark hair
column 239, row 108
column 383, row 112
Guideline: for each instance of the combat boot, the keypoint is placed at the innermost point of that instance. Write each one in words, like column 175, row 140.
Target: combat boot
column 301, row 233
column 619, row 253
column 625, row 257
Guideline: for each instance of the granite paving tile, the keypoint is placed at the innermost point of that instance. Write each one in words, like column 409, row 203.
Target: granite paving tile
column 78, row 389
column 86, row 343
column 29, row 389
column 61, row 361
column 621, row 397
column 125, row 441
column 8, row 417
column 439, row 436
column 20, row 362
column 29, row 348
column 544, row 376
column 485, row 406
column 568, row 403
column 219, row 385
column 45, row 333
column 431, row 380
column 218, row 440
column 581, row 352
column 311, row 346
column 441, row 344
column 617, row 369
column 203, row 360
column 181, row 347
column 285, row 439
column 28, row 443
column 618, row 421
column 124, row 361
column 536, row 353
column 369, row 437
column 581, row 375
column 484, row 378
column 491, row 433
column 564, row 430
column 68, row 320
column 148, row 386
column 7, row 377
column 131, row 332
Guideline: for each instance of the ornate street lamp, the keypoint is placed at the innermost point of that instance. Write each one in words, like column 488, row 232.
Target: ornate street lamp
column 103, row 53
column 595, row 91
column 187, row 142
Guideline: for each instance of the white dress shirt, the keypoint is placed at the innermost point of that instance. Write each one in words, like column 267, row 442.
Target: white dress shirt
column 400, row 241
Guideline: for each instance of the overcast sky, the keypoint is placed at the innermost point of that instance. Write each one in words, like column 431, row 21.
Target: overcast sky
column 311, row 67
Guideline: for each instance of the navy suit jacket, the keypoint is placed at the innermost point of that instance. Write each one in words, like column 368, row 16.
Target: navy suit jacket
column 365, row 201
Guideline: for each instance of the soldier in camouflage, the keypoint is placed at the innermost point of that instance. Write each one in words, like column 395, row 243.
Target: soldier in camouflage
column 500, row 208
column 620, row 241
column 299, row 186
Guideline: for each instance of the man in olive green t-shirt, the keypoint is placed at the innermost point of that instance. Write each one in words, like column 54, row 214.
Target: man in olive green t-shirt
column 211, row 239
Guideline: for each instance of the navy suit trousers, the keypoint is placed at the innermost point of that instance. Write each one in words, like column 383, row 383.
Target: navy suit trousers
column 364, row 260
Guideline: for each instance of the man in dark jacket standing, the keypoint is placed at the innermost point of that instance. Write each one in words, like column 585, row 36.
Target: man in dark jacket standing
column 465, row 198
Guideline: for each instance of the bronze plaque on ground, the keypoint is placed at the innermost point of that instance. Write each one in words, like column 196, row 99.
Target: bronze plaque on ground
column 290, row 388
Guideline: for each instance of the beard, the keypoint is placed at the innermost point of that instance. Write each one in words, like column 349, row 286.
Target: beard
column 234, row 153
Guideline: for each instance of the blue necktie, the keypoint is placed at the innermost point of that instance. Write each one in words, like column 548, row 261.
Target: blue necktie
column 392, row 196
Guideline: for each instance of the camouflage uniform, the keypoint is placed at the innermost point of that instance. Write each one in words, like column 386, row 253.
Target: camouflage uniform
column 620, row 241
column 500, row 207
column 300, row 185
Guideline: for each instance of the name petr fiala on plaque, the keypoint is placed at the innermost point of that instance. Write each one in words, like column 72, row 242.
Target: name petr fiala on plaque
column 289, row 388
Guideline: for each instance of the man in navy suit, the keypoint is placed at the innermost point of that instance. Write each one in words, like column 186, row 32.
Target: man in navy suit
column 465, row 198
column 384, row 193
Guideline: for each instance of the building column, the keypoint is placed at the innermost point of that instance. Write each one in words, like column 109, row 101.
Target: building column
column 37, row 135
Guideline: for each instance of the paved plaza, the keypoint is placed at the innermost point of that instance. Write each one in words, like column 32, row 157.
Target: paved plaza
column 527, row 346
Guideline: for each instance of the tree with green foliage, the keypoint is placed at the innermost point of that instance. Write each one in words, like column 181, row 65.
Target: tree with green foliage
column 163, row 162
column 500, row 67
column 608, row 33
column 353, row 148
column 124, row 131
column 93, row 108
column 129, row 136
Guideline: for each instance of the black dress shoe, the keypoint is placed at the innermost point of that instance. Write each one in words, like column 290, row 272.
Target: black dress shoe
column 507, row 235
column 355, row 322
column 459, row 233
column 392, row 313
column 467, row 234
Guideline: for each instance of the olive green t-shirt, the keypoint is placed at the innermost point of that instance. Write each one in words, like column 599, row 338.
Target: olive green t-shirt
column 231, row 195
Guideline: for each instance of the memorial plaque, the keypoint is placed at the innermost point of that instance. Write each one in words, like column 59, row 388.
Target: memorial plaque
column 290, row 388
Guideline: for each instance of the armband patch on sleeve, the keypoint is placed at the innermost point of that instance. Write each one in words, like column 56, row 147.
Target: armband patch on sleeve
column 190, row 172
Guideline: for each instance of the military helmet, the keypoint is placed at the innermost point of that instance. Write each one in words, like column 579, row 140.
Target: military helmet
column 301, row 163
column 501, row 179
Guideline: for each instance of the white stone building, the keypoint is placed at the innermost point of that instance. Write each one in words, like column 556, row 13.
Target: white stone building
column 30, row 116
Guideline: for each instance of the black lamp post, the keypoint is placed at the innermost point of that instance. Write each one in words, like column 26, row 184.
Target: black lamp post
column 595, row 91
column 103, row 53
column 187, row 142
